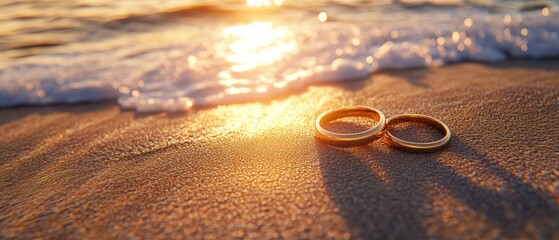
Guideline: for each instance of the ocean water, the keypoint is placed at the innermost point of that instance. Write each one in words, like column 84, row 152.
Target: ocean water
column 173, row 55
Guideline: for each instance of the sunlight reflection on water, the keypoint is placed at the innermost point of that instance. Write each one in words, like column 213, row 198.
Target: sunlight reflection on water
column 175, row 55
column 264, row 3
column 252, row 46
column 257, row 44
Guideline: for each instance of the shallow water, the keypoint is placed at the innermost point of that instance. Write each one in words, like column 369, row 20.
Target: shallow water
column 175, row 55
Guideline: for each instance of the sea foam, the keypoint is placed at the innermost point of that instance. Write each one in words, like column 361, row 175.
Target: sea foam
column 179, row 67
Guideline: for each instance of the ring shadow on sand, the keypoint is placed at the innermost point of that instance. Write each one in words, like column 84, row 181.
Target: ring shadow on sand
column 387, row 194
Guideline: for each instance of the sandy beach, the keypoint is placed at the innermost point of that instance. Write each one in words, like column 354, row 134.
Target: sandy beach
column 256, row 171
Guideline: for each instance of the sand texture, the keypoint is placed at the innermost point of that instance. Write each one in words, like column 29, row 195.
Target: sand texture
column 256, row 170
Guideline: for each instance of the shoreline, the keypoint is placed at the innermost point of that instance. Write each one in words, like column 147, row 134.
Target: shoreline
column 281, row 94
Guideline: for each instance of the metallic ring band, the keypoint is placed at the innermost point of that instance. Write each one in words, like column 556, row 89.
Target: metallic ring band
column 346, row 112
column 419, row 146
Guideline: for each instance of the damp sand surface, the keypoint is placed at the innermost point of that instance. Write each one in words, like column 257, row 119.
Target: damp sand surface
column 255, row 170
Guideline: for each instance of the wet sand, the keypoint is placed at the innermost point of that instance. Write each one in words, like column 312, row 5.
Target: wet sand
column 255, row 170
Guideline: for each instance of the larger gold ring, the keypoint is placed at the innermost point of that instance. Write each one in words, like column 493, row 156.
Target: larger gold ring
column 346, row 112
column 419, row 146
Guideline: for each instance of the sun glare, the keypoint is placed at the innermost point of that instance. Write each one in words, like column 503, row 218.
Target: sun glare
column 264, row 3
column 256, row 44
column 251, row 53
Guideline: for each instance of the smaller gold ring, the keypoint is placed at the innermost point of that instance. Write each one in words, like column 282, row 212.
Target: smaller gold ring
column 346, row 112
column 419, row 146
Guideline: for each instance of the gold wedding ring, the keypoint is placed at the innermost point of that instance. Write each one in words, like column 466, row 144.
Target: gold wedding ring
column 418, row 146
column 362, row 111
